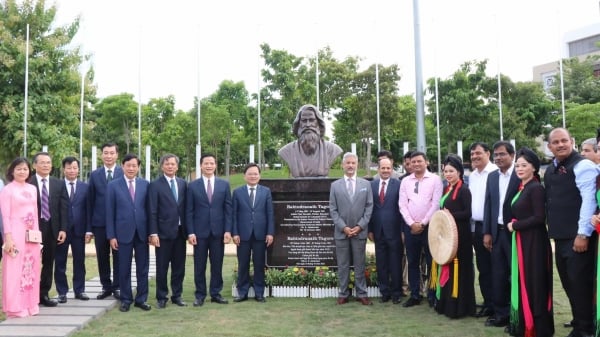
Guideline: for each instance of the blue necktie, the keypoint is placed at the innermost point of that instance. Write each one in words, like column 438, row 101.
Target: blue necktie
column 174, row 189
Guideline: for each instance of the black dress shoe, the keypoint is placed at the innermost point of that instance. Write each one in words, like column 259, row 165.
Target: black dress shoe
column 117, row 294
column 178, row 302
column 411, row 302
column 260, row 299
column 161, row 304
column 104, row 294
column 385, row 298
column 124, row 307
column 568, row 324
column 485, row 312
column 218, row 299
column 396, row 300
column 497, row 321
column 48, row 302
column 82, row 296
column 198, row 302
column 62, row 299
column 240, row 299
column 144, row 306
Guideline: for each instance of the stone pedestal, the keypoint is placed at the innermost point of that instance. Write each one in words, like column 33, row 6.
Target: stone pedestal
column 303, row 227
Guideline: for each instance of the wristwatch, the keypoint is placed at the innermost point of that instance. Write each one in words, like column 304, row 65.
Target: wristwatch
column 581, row 236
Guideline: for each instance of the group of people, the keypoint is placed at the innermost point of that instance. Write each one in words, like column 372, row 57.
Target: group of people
column 504, row 213
column 43, row 216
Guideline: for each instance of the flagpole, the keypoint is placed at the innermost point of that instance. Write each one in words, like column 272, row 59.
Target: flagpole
column 140, row 96
column 419, row 80
column 259, row 114
column 198, row 112
column 499, row 78
column 81, row 121
column 26, row 93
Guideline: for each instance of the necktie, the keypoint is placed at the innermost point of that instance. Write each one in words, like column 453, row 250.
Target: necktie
column 131, row 191
column 72, row 191
column 209, row 191
column 252, row 196
column 45, row 206
column 350, row 187
column 174, row 189
column 382, row 192
column 109, row 176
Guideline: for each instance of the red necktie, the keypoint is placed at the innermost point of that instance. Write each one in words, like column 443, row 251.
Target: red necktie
column 382, row 192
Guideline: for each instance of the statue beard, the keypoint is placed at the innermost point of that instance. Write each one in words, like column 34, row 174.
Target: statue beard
column 309, row 141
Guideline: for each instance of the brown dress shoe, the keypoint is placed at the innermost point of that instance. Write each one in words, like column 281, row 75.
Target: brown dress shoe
column 365, row 301
column 342, row 300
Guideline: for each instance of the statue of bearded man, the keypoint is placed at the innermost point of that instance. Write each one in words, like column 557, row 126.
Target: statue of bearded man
column 310, row 155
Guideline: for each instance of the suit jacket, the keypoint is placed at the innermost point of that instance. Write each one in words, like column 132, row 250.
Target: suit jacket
column 58, row 200
column 165, row 214
column 386, row 220
column 350, row 211
column 124, row 216
column 97, row 195
column 492, row 201
column 204, row 218
column 257, row 219
column 79, row 209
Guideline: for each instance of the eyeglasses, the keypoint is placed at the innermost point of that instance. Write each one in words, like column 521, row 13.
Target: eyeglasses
column 416, row 187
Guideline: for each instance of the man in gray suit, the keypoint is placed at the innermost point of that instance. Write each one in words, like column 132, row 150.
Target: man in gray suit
column 350, row 206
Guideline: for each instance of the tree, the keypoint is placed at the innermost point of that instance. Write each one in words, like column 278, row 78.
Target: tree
column 582, row 120
column 118, row 120
column 54, row 81
column 581, row 85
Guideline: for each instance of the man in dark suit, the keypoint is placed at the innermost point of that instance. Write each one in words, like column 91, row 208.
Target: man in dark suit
column 253, row 230
column 76, row 238
column 208, row 222
column 127, row 231
column 53, row 213
column 385, row 229
column 350, row 207
column 166, row 218
column 99, row 179
column 502, row 185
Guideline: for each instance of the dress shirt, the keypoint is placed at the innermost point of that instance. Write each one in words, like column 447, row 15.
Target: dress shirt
column 477, row 185
column 68, row 184
column 212, row 184
column 40, row 186
column 353, row 178
column 419, row 207
column 385, row 187
column 112, row 171
column 585, row 178
column 503, row 180
column 132, row 183
column 174, row 178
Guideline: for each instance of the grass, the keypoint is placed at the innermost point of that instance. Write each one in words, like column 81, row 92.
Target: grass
column 294, row 317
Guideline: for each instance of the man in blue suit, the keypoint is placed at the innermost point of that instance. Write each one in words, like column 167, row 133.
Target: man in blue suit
column 385, row 229
column 502, row 185
column 208, row 222
column 166, row 207
column 127, row 231
column 76, row 238
column 99, row 179
column 253, row 230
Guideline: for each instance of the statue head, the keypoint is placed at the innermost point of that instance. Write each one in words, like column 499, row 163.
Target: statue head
column 309, row 127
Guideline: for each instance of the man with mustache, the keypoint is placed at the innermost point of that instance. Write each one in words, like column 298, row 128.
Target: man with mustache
column 310, row 155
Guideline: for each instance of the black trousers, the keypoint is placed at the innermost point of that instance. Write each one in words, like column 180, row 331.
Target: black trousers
column 577, row 273
column 483, row 260
column 501, row 264
column 48, row 253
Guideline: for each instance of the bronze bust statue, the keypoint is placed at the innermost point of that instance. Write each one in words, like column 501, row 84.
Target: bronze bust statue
column 310, row 155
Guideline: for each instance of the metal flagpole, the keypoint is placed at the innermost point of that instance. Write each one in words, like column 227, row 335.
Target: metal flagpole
column 377, row 100
column 140, row 96
column 26, row 93
column 499, row 80
column 419, row 80
column 81, row 121
column 198, row 114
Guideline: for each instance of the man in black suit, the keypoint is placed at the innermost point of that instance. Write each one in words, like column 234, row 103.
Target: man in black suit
column 208, row 222
column 253, row 230
column 76, row 238
column 53, row 213
column 99, row 179
column 385, row 229
column 166, row 218
column 502, row 185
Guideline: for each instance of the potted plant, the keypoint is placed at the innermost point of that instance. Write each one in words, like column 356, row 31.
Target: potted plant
column 293, row 283
column 323, row 283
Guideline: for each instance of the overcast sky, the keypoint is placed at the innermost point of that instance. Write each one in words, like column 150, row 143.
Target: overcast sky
column 185, row 42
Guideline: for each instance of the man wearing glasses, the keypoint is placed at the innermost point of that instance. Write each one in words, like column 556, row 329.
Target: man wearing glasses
column 420, row 195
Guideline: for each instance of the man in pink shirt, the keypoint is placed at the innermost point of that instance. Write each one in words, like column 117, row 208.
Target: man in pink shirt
column 420, row 195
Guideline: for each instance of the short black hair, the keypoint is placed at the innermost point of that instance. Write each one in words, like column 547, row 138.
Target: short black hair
column 483, row 145
column 507, row 145
column 110, row 144
column 130, row 156
column 407, row 155
column 69, row 160
column 249, row 165
column 206, row 155
column 418, row 153
column 10, row 173
column 385, row 153
column 35, row 156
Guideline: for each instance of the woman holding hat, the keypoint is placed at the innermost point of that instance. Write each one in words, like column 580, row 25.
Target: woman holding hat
column 454, row 281
column 531, row 284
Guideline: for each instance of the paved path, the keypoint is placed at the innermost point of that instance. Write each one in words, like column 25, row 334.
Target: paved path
column 66, row 319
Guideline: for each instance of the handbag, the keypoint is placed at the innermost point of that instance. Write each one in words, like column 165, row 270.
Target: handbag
column 33, row 236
